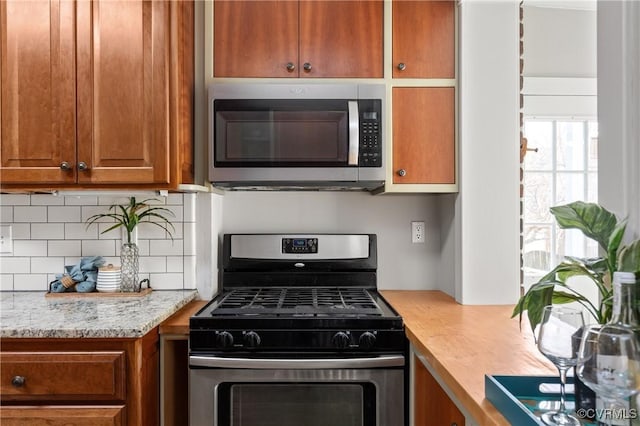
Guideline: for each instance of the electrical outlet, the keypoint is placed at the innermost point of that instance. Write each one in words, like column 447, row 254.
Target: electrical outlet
column 6, row 239
column 417, row 232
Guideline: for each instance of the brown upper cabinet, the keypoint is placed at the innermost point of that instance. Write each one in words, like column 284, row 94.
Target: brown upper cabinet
column 424, row 135
column 95, row 93
column 305, row 38
column 423, row 39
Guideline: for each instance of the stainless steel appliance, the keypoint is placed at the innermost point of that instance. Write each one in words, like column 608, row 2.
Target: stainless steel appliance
column 297, row 136
column 298, row 335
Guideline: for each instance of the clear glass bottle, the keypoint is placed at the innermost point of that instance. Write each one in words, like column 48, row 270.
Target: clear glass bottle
column 624, row 313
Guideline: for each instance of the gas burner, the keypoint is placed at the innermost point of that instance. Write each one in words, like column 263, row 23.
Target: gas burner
column 294, row 301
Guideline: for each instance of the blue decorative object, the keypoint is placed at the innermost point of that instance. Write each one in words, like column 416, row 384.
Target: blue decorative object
column 522, row 399
column 80, row 277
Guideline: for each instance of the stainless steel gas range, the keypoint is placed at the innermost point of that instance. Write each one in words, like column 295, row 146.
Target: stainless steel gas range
column 298, row 335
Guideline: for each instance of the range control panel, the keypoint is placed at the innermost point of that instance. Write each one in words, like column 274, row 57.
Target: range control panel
column 299, row 245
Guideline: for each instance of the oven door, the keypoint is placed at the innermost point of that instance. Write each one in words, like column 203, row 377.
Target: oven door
column 294, row 392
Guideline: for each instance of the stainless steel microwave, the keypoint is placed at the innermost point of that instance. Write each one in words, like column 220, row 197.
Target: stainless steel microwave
column 297, row 136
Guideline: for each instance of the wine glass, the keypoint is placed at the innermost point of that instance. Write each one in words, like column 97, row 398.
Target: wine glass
column 559, row 324
column 609, row 363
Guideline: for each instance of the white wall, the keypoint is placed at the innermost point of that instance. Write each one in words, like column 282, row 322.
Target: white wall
column 487, row 208
column 619, row 110
column 401, row 264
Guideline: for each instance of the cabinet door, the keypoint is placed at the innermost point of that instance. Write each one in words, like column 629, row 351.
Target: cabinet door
column 423, row 135
column 37, row 91
column 255, row 38
column 123, row 91
column 341, row 38
column 423, row 39
column 432, row 406
column 63, row 416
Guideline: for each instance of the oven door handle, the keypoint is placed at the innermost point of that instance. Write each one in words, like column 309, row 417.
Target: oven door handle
column 304, row 364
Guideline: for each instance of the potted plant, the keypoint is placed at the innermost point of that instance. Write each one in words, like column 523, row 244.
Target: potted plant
column 129, row 217
column 602, row 226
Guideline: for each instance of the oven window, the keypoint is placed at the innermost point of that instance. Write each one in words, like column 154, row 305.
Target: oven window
column 295, row 404
column 280, row 135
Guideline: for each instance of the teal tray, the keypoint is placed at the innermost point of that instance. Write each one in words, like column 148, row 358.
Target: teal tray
column 522, row 399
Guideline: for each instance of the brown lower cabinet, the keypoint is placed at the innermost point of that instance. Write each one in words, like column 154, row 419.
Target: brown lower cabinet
column 432, row 406
column 77, row 382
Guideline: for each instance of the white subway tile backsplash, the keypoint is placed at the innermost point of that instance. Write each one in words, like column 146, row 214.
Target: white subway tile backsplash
column 30, row 248
column 46, row 200
column 64, row 214
column 150, row 264
column 47, row 231
column 15, row 265
column 166, row 281
column 29, row 214
column 6, row 282
column 175, row 263
column 50, row 232
column 44, row 265
column 15, row 200
column 166, row 248
column 151, row 232
column 81, row 200
column 98, row 248
column 6, row 214
column 21, row 231
column 31, row 282
column 177, row 213
column 80, row 231
column 103, row 234
column 64, row 248
column 175, row 199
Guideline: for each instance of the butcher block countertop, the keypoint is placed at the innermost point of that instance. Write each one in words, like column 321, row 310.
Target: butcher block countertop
column 462, row 343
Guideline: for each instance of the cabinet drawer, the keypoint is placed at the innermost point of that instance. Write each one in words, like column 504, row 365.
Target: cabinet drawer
column 63, row 416
column 63, row 376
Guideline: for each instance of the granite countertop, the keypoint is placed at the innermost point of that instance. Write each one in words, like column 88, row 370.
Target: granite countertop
column 32, row 315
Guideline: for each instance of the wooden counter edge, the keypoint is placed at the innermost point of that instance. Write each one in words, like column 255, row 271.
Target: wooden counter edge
column 178, row 323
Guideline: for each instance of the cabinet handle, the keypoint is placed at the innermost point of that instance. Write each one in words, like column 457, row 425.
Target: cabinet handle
column 290, row 66
column 307, row 66
column 82, row 166
column 402, row 66
column 65, row 166
column 402, row 172
column 18, row 381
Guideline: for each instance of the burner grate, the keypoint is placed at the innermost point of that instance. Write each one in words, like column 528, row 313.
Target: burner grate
column 293, row 301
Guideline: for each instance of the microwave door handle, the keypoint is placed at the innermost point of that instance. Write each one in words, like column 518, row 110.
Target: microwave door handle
column 354, row 133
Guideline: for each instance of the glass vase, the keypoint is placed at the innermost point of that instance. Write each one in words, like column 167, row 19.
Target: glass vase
column 129, row 267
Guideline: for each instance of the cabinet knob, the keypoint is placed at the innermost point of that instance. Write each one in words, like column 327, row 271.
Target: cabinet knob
column 18, row 381
column 82, row 166
column 402, row 172
column 290, row 66
column 307, row 66
column 402, row 66
column 65, row 166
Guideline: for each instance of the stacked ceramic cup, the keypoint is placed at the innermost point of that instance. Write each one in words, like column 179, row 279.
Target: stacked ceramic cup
column 109, row 278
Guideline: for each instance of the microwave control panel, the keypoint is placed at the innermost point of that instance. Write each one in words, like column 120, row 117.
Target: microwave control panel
column 370, row 150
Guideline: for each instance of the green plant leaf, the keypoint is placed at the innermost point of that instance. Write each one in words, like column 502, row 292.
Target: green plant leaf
column 629, row 258
column 614, row 243
column 593, row 220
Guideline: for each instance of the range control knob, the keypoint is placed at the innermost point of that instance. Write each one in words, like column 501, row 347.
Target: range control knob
column 251, row 339
column 367, row 340
column 224, row 339
column 341, row 340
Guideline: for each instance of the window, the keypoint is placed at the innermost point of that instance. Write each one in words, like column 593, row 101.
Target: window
column 564, row 169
